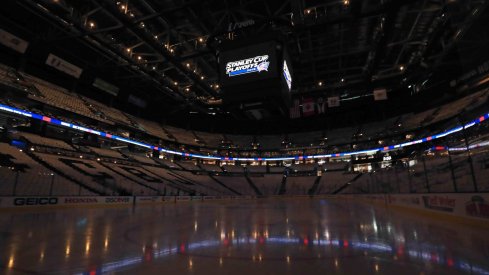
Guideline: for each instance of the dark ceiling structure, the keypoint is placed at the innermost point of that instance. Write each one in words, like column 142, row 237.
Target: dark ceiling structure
column 164, row 51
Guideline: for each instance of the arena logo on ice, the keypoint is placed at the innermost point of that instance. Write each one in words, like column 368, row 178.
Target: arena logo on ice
column 249, row 65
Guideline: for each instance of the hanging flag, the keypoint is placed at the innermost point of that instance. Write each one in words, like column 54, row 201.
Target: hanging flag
column 63, row 65
column 380, row 94
column 13, row 42
column 307, row 107
column 320, row 105
column 333, row 101
column 295, row 109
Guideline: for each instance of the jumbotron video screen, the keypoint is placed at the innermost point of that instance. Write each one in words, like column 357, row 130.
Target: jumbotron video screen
column 248, row 64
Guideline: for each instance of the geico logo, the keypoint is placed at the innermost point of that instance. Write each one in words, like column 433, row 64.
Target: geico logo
column 112, row 200
column 35, row 201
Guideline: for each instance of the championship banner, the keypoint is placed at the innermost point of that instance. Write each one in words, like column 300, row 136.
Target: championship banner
column 321, row 105
column 63, row 65
column 380, row 94
column 13, row 42
column 295, row 109
column 334, row 101
column 308, row 107
column 106, row 86
column 137, row 101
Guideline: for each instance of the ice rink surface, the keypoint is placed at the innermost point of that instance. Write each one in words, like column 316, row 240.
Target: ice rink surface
column 266, row 236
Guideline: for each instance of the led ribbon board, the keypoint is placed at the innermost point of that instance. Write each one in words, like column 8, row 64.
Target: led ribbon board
column 249, row 65
column 191, row 155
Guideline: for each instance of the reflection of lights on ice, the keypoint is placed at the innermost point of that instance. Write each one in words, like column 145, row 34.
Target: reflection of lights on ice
column 11, row 262
column 87, row 247
column 374, row 225
column 400, row 238
column 378, row 246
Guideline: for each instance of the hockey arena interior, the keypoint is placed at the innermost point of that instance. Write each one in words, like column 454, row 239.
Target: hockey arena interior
column 240, row 137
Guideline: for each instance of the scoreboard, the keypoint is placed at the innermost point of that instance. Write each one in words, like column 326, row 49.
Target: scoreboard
column 248, row 64
column 256, row 70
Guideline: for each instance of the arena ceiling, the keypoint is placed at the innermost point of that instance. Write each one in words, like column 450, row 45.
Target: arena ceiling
column 164, row 51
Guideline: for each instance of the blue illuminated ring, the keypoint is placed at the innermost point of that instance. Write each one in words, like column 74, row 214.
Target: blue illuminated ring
column 190, row 155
